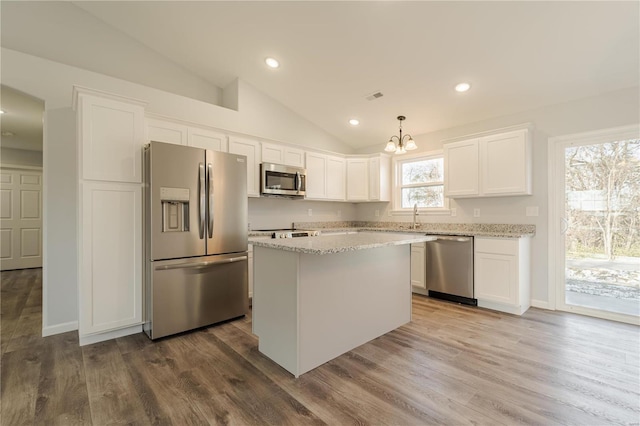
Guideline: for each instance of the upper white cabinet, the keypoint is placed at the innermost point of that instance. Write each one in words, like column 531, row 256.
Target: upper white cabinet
column 166, row 131
column 505, row 161
column 379, row 178
column 502, row 274
column 251, row 149
column 461, row 169
column 489, row 166
column 336, row 178
column 358, row 179
column 207, row 139
column 368, row 178
column 111, row 136
column 316, row 176
column 326, row 177
column 282, row 154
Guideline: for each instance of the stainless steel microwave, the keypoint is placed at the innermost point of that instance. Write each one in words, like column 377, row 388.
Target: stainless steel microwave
column 283, row 181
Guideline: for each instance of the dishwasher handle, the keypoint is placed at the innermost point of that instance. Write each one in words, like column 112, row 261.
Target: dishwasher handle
column 451, row 238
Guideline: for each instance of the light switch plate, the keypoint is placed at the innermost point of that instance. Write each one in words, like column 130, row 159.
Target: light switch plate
column 310, row 212
column 377, row 213
column 339, row 213
column 454, row 212
column 476, row 212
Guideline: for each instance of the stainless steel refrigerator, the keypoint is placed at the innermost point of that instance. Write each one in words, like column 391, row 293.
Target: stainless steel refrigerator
column 196, row 271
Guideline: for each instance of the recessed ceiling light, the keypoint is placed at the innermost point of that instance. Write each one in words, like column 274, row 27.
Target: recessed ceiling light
column 272, row 63
column 354, row 122
column 463, row 87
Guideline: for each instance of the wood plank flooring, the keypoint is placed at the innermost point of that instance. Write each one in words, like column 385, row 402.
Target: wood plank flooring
column 451, row 365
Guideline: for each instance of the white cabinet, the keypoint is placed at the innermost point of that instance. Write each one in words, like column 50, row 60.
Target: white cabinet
column 380, row 178
column 502, row 274
column 418, row 271
column 461, row 169
column 489, row 166
column 111, row 257
column 325, row 177
column 111, row 136
column 207, row 139
column 166, row 131
column 281, row 154
column 505, row 161
column 369, row 178
column 357, row 179
column 316, row 176
column 251, row 149
column 336, row 178
column 250, row 278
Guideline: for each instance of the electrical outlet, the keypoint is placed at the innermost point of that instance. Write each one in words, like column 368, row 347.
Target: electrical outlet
column 532, row 211
column 453, row 211
column 310, row 212
column 339, row 213
column 476, row 212
column 377, row 213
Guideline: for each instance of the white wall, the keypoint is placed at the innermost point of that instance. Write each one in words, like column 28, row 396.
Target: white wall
column 274, row 213
column 609, row 110
column 60, row 277
column 52, row 82
column 20, row 157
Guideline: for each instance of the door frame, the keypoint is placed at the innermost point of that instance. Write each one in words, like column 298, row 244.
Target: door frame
column 556, row 200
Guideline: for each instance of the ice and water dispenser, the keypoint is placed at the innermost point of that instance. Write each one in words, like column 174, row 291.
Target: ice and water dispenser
column 175, row 209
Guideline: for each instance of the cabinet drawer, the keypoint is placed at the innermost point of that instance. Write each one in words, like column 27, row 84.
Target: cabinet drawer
column 497, row 245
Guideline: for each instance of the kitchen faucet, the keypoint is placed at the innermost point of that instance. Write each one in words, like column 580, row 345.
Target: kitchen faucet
column 415, row 213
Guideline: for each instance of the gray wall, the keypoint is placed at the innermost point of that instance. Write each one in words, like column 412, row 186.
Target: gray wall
column 609, row 110
column 20, row 157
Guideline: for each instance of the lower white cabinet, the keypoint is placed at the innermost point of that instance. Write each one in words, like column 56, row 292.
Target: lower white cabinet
column 418, row 268
column 250, row 273
column 502, row 274
column 111, row 258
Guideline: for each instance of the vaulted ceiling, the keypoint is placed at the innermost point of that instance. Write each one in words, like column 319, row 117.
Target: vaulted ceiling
column 516, row 55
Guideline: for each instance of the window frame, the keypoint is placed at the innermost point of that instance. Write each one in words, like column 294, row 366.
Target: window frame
column 396, row 188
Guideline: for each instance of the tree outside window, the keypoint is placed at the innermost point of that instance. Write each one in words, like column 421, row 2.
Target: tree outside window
column 421, row 182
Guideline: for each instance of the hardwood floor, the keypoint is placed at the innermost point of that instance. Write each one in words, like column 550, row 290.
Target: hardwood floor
column 451, row 365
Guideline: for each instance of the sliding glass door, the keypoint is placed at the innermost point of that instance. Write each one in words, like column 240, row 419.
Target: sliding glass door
column 596, row 218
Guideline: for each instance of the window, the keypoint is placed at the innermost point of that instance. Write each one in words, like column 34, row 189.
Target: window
column 420, row 181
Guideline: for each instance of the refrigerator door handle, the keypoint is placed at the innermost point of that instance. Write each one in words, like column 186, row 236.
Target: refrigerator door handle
column 210, row 197
column 202, row 196
column 189, row 265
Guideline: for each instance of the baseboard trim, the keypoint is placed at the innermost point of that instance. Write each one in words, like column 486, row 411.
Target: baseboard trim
column 542, row 304
column 51, row 330
column 101, row 337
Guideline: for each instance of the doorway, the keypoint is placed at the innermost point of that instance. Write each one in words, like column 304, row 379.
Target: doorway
column 594, row 188
column 21, row 183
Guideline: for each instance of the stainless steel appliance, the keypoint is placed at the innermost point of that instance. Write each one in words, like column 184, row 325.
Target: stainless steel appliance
column 196, row 270
column 449, row 265
column 282, row 181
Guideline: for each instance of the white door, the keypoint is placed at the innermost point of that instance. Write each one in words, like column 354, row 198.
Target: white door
column 594, row 239
column 20, row 219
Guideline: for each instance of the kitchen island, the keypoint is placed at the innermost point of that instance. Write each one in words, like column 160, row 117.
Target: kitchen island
column 315, row 298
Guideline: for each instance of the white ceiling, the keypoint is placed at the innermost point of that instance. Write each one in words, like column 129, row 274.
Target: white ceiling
column 517, row 55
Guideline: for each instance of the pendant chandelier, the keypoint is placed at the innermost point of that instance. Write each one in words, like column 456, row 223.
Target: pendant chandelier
column 402, row 146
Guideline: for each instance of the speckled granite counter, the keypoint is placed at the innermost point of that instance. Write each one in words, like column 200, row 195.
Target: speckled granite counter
column 467, row 229
column 330, row 244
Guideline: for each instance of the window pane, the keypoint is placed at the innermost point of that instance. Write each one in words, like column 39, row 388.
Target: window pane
column 430, row 196
column 423, row 171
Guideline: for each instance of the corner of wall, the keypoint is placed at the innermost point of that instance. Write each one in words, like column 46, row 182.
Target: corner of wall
column 230, row 95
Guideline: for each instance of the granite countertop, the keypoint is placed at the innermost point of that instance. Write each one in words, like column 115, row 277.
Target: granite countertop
column 330, row 244
column 462, row 229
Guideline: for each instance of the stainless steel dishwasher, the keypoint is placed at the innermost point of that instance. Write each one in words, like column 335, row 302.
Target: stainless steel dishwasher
column 449, row 268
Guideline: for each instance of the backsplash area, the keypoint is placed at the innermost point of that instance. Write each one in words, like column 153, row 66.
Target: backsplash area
column 274, row 213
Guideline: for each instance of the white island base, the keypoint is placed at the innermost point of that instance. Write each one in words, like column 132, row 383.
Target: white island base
column 309, row 308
